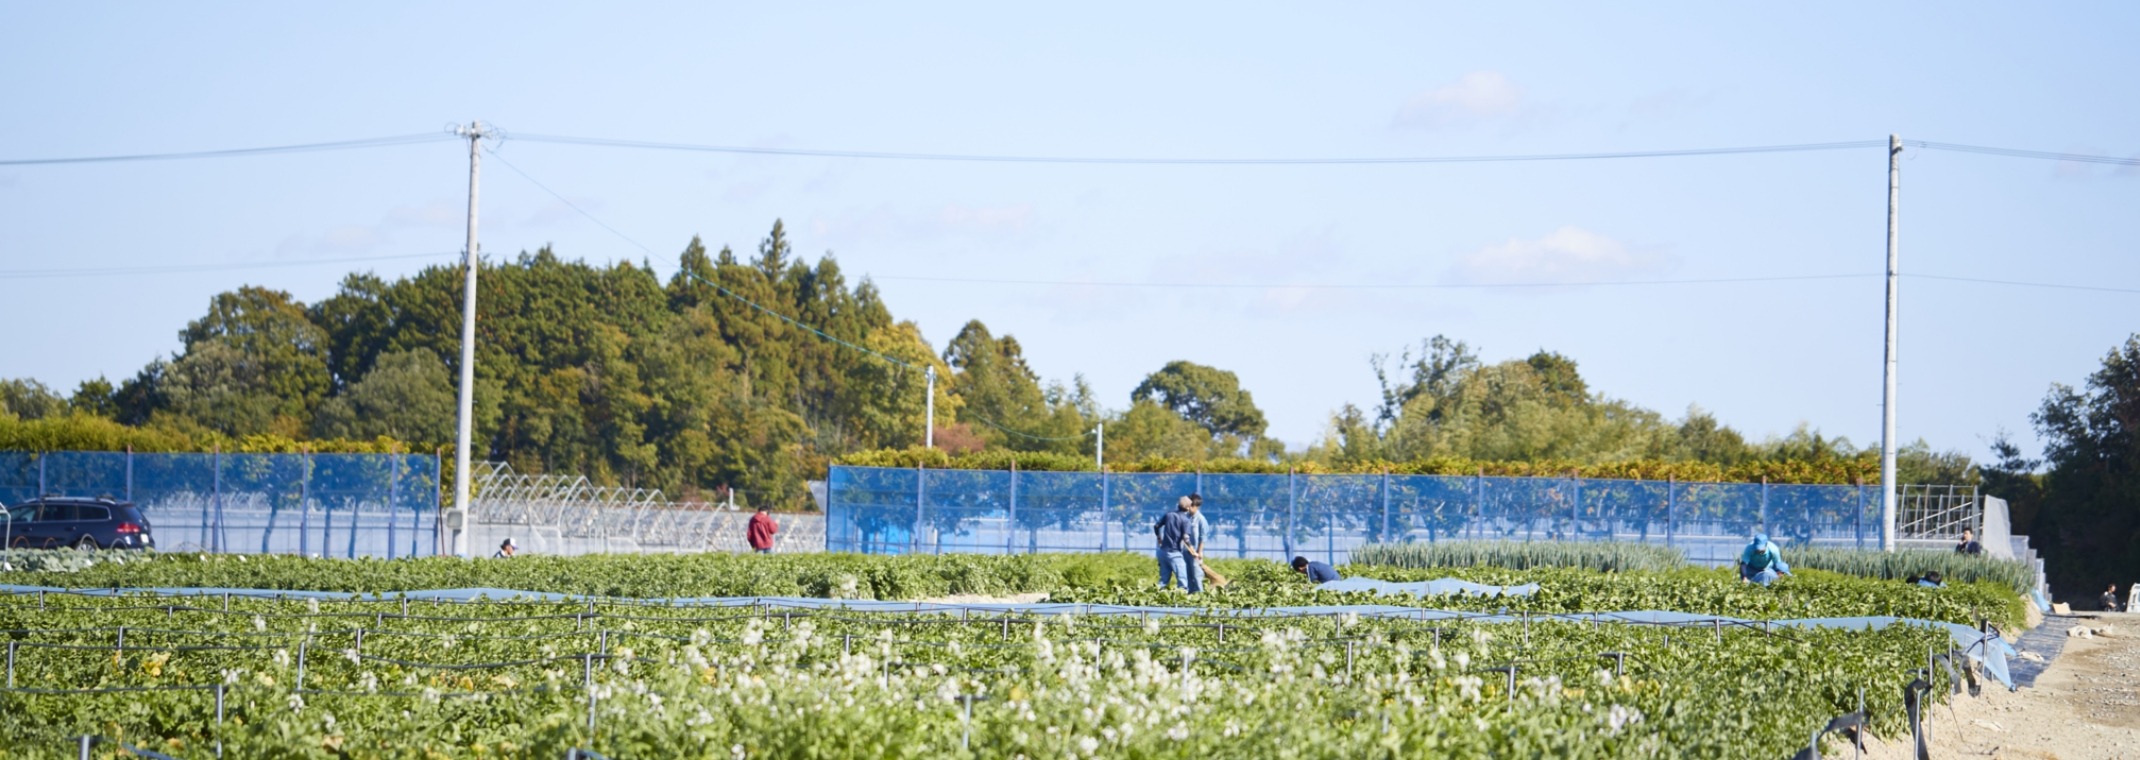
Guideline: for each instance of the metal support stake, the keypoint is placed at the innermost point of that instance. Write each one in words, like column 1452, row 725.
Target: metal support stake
column 86, row 742
column 1348, row 662
column 847, row 644
column 11, row 664
column 966, row 737
column 302, row 645
column 587, row 676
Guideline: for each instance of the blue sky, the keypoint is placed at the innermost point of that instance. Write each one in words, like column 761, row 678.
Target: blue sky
column 1179, row 80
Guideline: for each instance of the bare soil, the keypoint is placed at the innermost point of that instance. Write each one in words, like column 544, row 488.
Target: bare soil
column 2086, row 705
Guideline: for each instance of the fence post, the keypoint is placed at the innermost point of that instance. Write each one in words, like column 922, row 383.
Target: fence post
column 304, row 511
column 1858, row 520
column 920, row 492
column 1288, row 542
column 130, row 472
column 1010, row 519
column 393, row 492
column 438, row 496
column 1575, row 510
column 1478, row 501
column 1385, row 536
column 1671, row 505
column 215, row 541
column 1764, row 504
column 1107, row 515
column 41, row 457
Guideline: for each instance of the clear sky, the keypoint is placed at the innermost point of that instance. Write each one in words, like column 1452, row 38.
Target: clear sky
column 1221, row 80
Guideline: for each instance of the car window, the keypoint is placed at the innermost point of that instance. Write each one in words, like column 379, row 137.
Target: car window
column 91, row 512
column 56, row 513
column 22, row 512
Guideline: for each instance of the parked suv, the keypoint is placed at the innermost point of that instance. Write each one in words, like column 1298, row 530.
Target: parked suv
column 55, row 521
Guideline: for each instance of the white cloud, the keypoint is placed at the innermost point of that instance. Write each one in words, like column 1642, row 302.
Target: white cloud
column 1475, row 97
column 1567, row 256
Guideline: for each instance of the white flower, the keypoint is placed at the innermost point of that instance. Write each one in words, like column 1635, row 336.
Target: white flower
column 312, row 606
column 259, row 623
column 296, row 703
column 241, row 558
column 282, row 658
column 430, row 694
column 354, row 658
column 736, row 751
column 1620, row 717
column 1180, row 731
column 1088, row 745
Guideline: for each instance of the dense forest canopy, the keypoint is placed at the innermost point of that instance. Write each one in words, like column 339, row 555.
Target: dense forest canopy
column 753, row 372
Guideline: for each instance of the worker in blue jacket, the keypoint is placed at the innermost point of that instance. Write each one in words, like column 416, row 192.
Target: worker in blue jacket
column 1762, row 561
column 1317, row 572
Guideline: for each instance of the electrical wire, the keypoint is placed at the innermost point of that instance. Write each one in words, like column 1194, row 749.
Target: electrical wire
column 1372, row 286
column 986, row 158
column 26, row 274
column 2018, row 153
column 371, row 142
column 2016, row 283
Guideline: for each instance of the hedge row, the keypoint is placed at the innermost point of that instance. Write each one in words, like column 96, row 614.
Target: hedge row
column 1857, row 470
column 85, row 432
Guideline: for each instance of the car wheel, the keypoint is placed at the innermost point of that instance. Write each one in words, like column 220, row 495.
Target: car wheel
column 87, row 544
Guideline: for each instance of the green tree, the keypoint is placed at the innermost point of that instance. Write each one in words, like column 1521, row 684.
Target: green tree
column 29, row 400
column 1207, row 396
column 407, row 395
column 253, row 364
column 2088, row 527
column 95, row 397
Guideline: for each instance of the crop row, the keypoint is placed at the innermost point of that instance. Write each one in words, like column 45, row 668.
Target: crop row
column 395, row 679
column 1112, row 578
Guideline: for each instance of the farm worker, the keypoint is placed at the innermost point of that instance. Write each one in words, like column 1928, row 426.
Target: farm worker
column 1931, row 579
column 1761, row 562
column 761, row 530
column 505, row 549
column 1317, row 572
column 1968, row 545
column 1203, row 530
column 1173, row 532
column 2110, row 598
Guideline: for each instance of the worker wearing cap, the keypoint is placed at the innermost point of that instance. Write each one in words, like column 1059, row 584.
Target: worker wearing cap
column 1761, row 562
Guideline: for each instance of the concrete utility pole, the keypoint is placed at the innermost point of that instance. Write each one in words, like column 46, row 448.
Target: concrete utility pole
column 928, row 422
column 1887, row 401
column 1099, row 447
column 457, row 521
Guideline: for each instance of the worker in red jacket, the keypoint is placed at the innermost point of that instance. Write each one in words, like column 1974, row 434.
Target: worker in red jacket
column 762, row 530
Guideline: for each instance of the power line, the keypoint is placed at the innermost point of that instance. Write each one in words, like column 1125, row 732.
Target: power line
column 25, row 274
column 1370, row 286
column 2016, row 283
column 371, row 142
column 2019, row 153
column 1032, row 159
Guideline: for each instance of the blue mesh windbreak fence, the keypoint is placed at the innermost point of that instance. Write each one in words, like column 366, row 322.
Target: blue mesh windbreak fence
column 339, row 505
column 897, row 511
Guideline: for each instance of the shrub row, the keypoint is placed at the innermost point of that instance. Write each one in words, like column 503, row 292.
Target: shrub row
column 1954, row 568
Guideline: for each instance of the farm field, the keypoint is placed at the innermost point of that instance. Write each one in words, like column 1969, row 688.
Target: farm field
column 395, row 678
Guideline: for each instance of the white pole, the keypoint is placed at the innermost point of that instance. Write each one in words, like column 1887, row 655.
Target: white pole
column 1099, row 447
column 928, row 423
column 458, row 521
column 1887, row 401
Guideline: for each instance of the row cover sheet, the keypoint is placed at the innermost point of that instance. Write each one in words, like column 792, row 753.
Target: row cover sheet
column 1985, row 648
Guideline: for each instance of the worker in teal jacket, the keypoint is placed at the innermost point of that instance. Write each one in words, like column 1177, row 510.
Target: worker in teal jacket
column 1761, row 562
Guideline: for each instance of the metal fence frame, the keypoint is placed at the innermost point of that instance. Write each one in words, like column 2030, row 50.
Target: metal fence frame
column 305, row 503
column 919, row 510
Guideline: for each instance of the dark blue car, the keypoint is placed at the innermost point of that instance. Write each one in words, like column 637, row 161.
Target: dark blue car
column 55, row 522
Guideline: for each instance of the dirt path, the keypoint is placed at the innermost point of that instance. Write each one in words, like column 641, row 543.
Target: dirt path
column 2086, row 705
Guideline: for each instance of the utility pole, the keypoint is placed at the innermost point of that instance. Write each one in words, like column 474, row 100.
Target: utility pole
column 928, row 423
column 457, row 521
column 1099, row 447
column 1887, row 401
